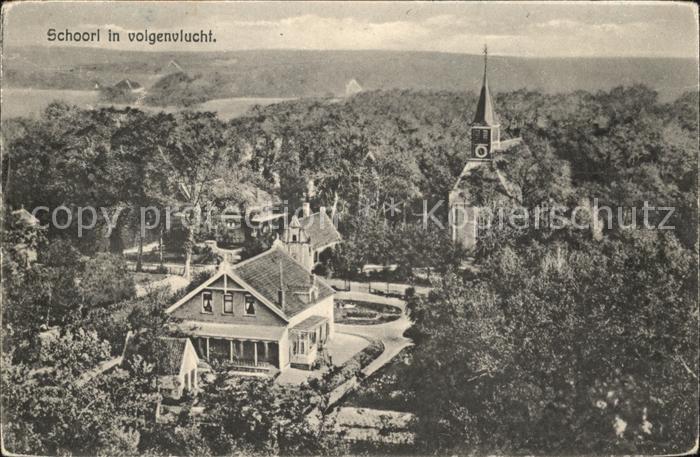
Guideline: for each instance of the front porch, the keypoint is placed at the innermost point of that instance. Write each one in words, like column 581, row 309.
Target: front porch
column 246, row 355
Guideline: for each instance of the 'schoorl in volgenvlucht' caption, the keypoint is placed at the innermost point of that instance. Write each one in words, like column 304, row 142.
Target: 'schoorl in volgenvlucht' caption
column 145, row 36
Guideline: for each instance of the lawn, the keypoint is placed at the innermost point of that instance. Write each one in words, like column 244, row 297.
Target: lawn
column 145, row 278
column 385, row 389
column 340, row 374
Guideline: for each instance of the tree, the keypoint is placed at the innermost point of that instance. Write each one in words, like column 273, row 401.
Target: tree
column 53, row 414
column 194, row 152
column 257, row 416
column 106, row 280
column 535, row 372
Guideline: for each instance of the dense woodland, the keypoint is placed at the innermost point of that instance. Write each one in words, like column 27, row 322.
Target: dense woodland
column 558, row 342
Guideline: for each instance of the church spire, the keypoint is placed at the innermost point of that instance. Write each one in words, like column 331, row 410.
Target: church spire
column 486, row 61
column 485, row 114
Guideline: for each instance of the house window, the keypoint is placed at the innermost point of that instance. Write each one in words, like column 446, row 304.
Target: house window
column 249, row 305
column 228, row 303
column 294, row 238
column 206, row 301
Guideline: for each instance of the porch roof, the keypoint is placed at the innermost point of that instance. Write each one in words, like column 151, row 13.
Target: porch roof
column 309, row 323
column 232, row 331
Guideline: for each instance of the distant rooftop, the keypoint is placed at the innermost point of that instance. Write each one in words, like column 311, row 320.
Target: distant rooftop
column 320, row 230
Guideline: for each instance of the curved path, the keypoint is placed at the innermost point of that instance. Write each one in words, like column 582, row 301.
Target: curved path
column 389, row 333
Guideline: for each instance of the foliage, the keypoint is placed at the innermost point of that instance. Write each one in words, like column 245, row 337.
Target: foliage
column 106, row 280
column 338, row 374
column 254, row 245
column 257, row 416
column 53, row 414
column 534, row 371
column 386, row 389
column 73, row 352
column 565, row 344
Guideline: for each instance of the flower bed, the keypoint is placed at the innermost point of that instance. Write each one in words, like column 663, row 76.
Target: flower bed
column 364, row 313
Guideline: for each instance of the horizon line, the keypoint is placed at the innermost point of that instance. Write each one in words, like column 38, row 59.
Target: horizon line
column 408, row 51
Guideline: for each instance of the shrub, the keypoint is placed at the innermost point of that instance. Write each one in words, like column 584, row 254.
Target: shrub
column 109, row 324
column 106, row 280
column 353, row 367
column 361, row 314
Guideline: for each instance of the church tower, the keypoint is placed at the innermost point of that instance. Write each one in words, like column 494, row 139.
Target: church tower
column 485, row 131
column 466, row 202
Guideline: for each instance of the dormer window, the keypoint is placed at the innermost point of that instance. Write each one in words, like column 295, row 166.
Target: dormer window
column 249, row 308
column 206, row 302
column 294, row 238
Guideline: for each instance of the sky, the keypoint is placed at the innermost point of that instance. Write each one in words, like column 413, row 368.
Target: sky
column 528, row 29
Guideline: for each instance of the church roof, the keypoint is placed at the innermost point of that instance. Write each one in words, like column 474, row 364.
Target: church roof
column 485, row 114
column 491, row 171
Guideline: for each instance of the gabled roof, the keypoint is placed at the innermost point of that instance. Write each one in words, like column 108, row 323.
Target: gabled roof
column 264, row 274
column 225, row 269
column 320, row 230
column 127, row 84
column 168, row 352
column 25, row 217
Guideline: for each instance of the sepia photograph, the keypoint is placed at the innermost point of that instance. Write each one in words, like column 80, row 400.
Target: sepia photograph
column 349, row 228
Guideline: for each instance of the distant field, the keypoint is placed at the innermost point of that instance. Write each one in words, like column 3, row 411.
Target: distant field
column 31, row 102
column 297, row 73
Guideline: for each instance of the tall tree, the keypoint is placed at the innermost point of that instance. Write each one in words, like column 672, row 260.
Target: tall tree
column 193, row 150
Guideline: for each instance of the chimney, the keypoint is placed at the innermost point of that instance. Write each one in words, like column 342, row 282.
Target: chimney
column 280, row 299
column 322, row 210
column 306, row 207
column 280, row 293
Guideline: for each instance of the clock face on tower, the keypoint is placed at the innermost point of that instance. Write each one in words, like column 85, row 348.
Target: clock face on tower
column 481, row 151
column 481, row 143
